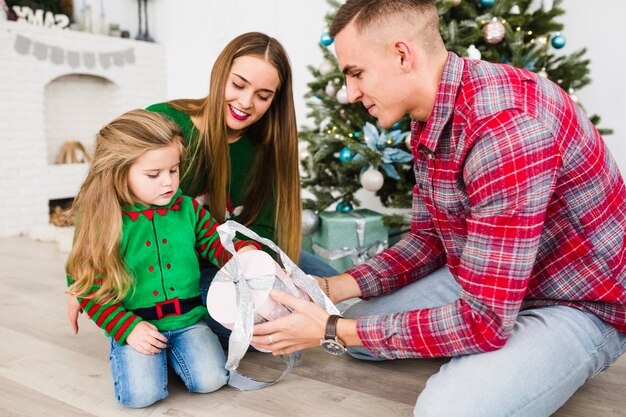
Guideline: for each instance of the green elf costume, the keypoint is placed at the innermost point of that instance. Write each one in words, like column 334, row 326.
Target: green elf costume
column 159, row 247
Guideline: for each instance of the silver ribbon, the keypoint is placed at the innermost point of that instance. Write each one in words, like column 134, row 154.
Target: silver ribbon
column 241, row 335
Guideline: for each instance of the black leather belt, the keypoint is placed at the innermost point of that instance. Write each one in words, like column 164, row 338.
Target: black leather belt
column 173, row 307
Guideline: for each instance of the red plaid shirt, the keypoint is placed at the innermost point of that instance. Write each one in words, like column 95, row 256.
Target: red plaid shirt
column 517, row 193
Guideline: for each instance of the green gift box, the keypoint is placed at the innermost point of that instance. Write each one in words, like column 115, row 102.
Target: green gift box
column 345, row 239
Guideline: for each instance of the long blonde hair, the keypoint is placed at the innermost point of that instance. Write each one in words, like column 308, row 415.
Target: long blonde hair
column 95, row 256
column 275, row 173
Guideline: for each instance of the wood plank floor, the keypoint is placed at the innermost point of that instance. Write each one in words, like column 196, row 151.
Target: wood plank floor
column 47, row 371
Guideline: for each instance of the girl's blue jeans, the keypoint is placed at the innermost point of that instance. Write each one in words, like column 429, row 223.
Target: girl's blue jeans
column 550, row 354
column 193, row 352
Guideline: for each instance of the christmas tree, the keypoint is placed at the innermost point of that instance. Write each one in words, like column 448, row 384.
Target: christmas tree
column 346, row 150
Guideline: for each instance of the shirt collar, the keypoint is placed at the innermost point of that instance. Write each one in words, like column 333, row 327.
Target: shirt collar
column 134, row 210
column 428, row 133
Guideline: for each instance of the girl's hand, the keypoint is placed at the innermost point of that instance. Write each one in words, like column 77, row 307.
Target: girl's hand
column 145, row 338
column 73, row 310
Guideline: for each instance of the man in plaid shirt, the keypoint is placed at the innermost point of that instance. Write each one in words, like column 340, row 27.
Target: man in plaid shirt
column 515, row 266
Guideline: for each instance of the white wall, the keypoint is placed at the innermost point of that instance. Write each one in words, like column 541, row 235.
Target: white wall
column 194, row 31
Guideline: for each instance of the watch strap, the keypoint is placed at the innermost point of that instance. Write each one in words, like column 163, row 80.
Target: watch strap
column 331, row 327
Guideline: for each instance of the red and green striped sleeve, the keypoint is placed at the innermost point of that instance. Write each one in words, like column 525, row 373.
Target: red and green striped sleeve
column 114, row 319
column 208, row 241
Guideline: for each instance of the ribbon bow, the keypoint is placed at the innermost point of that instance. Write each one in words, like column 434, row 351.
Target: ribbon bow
column 241, row 335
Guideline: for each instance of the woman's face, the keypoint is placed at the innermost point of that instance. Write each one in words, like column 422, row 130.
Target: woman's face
column 250, row 90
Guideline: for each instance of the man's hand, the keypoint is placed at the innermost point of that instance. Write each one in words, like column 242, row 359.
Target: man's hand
column 73, row 310
column 145, row 338
column 301, row 329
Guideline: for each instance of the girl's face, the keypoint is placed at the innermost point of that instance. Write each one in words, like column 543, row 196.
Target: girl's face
column 250, row 90
column 153, row 178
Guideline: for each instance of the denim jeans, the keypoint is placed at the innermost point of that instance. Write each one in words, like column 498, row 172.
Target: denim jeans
column 193, row 352
column 308, row 263
column 550, row 354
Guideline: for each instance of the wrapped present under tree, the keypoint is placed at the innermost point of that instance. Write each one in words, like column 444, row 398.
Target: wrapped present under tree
column 346, row 239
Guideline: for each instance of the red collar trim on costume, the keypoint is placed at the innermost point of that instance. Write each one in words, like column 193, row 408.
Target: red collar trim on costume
column 149, row 213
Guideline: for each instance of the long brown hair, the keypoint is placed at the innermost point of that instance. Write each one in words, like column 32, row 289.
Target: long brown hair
column 95, row 254
column 275, row 173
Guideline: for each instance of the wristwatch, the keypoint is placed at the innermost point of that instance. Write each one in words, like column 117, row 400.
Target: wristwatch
column 331, row 343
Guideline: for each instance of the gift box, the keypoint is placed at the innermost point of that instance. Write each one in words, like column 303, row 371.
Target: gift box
column 346, row 239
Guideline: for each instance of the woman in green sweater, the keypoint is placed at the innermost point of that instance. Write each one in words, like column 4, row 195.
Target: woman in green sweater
column 242, row 151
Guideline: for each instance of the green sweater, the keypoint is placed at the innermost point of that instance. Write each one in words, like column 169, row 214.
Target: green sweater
column 159, row 247
column 242, row 154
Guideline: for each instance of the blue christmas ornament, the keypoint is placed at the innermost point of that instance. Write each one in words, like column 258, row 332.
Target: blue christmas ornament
column 346, row 155
column 344, row 206
column 487, row 3
column 357, row 134
column 558, row 41
column 325, row 39
column 397, row 125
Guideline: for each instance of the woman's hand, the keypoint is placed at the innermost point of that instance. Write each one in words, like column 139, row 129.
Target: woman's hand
column 145, row 338
column 73, row 311
column 302, row 329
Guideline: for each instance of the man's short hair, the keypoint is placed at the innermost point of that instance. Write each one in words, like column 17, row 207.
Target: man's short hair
column 366, row 12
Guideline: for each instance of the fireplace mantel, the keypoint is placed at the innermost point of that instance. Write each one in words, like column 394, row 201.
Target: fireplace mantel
column 31, row 58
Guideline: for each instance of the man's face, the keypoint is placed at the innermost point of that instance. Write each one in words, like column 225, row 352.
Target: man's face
column 373, row 74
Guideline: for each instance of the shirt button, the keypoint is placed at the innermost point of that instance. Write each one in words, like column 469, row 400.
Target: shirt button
column 164, row 241
column 155, row 293
column 147, row 243
column 151, row 268
column 171, row 288
column 168, row 266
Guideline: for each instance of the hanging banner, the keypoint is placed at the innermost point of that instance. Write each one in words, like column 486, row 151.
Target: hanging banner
column 74, row 59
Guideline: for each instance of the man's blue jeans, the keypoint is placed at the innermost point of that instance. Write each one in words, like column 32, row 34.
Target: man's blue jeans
column 194, row 353
column 550, row 354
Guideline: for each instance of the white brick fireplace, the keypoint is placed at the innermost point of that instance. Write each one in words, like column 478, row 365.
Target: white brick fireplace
column 55, row 86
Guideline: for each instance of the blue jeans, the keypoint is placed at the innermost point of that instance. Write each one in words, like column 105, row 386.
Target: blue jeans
column 193, row 352
column 550, row 354
column 309, row 264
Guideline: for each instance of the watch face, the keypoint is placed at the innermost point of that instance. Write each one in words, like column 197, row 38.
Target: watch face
column 333, row 347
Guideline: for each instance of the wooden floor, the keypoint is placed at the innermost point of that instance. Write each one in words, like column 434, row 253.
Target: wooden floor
column 47, row 371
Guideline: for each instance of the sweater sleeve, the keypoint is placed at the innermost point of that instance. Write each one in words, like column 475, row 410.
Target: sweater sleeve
column 114, row 319
column 208, row 241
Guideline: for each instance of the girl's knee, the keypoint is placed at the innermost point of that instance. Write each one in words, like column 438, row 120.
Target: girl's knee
column 141, row 398
column 208, row 382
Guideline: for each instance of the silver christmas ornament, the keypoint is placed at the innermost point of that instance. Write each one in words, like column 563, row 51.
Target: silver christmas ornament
column 494, row 31
column 330, row 89
column 342, row 95
column 473, row 52
column 326, row 67
column 372, row 180
column 310, row 221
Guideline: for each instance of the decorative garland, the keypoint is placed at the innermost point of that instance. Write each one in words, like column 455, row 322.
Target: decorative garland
column 59, row 56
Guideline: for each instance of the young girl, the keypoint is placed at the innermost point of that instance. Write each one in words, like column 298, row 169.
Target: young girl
column 134, row 267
